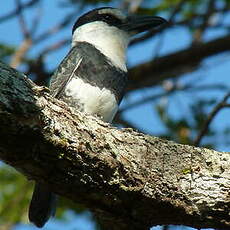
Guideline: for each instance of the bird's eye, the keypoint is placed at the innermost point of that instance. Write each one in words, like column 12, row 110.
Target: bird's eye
column 107, row 16
column 111, row 19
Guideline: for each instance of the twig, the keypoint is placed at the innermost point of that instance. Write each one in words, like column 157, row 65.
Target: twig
column 153, row 32
column 20, row 53
column 184, row 22
column 55, row 29
column 15, row 12
column 54, row 47
column 26, row 44
column 198, row 34
column 36, row 21
column 170, row 91
column 22, row 20
column 211, row 116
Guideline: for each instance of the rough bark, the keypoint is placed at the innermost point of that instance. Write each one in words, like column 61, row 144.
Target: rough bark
column 136, row 180
column 176, row 64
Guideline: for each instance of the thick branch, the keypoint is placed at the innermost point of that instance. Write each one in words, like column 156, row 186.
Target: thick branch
column 134, row 178
column 176, row 64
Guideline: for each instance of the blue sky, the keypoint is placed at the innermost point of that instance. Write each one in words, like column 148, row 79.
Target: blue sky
column 144, row 116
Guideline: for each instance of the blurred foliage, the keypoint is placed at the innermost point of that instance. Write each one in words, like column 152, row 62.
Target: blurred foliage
column 15, row 190
column 15, row 195
column 6, row 52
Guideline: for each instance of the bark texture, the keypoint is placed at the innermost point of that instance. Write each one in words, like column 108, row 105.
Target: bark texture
column 133, row 179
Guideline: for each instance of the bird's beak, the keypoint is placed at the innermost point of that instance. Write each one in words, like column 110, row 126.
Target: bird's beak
column 138, row 24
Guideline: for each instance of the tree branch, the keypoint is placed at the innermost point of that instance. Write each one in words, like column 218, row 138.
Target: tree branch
column 176, row 64
column 16, row 11
column 212, row 115
column 135, row 179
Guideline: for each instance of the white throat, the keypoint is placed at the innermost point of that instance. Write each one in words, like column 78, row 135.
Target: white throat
column 111, row 41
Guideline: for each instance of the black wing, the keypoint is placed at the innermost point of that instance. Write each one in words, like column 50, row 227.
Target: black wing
column 86, row 62
column 65, row 72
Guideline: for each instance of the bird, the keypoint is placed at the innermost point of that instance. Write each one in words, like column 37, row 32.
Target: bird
column 92, row 77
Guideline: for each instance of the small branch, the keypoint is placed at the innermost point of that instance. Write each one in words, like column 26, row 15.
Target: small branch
column 198, row 34
column 210, row 118
column 20, row 53
column 168, row 92
column 22, row 21
column 17, row 11
column 54, row 47
column 154, row 32
column 26, row 44
column 36, row 21
column 55, row 29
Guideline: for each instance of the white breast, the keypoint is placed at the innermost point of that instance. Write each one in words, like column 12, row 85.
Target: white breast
column 95, row 101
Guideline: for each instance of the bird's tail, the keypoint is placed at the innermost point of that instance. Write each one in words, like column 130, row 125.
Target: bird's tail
column 42, row 205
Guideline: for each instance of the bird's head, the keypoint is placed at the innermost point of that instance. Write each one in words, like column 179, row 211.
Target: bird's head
column 109, row 29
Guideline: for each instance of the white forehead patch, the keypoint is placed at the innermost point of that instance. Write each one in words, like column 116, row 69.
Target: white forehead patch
column 119, row 14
